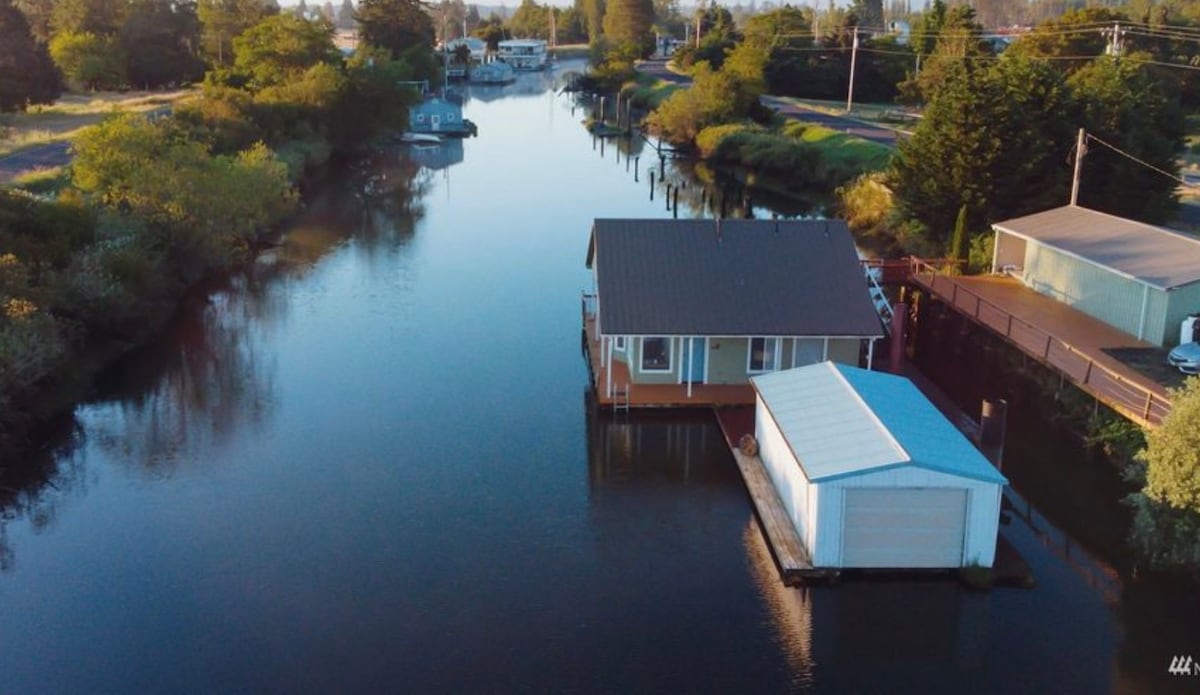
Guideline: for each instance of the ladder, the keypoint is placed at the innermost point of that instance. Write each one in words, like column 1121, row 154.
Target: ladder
column 621, row 398
column 882, row 306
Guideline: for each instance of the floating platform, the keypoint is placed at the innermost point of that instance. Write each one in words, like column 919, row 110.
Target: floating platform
column 791, row 557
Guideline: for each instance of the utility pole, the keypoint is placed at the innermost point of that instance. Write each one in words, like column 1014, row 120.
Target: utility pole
column 1080, row 150
column 853, row 60
column 699, row 16
column 1116, row 37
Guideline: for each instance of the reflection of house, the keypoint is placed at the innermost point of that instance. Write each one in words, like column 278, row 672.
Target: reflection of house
column 443, row 155
column 703, row 302
column 871, row 474
column 1137, row 277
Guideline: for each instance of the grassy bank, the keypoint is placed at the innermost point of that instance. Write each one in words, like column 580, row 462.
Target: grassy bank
column 67, row 117
column 647, row 92
column 799, row 153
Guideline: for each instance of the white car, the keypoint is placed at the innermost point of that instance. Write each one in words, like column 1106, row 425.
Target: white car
column 1186, row 358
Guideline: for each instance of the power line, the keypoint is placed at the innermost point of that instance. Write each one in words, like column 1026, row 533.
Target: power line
column 1146, row 164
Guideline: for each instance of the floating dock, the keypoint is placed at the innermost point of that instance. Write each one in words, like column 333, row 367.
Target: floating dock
column 791, row 557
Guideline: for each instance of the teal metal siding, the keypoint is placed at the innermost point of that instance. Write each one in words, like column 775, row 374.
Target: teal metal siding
column 1114, row 299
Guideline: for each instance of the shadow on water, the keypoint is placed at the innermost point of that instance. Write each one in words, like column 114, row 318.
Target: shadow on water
column 205, row 377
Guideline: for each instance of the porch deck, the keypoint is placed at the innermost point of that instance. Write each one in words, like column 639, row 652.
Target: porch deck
column 652, row 395
column 1077, row 345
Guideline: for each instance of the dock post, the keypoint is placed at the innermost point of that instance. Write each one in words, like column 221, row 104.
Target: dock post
column 636, row 161
column 675, row 203
column 668, row 196
column 896, row 354
column 602, row 118
column 993, row 420
column 651, row 184
column 662, row 165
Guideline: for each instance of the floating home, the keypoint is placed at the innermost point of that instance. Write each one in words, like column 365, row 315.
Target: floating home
column 1141, row 279
column 871, row 474
column 685, row 311
column 524, row 54
column 439, row 116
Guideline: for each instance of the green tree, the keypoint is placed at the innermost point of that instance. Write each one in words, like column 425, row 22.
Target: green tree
column 223, row 20
column 279, row 48
column 1071, row 35
column 200, row 210
column 345, row 15
column 1166, row 528
column 629, row 27
column 959, row 244
column 89, row 61
column 38, row 13
column 959, row 40
column 27, row 74
column 1127, row 105
column 710, row 100
column 994, row 139
column 161, row 39
column 530, row 21
column 101, row 17
column 593, row 10
column 397, row 25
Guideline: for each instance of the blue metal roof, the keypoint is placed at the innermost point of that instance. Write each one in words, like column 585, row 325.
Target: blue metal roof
column 928, row 437
column 842, row 421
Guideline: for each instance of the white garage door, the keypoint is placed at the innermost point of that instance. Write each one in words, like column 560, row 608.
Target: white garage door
column 903, row 527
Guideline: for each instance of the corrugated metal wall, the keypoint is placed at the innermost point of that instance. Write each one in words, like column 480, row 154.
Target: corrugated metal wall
column 1093, row 290
column 983, row 511
column 785, row 473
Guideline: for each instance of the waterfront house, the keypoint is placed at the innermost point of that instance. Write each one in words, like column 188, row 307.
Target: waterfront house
column 439, row 116
column 1139, row 278
column 701, row 304
column 872, row 475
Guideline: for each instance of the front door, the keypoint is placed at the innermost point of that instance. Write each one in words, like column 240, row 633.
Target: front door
column 696, row 359
column 436, row 121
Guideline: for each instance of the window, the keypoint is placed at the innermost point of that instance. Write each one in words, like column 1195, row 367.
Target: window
column 420, row 118
column 656, row 354
column 620, row 344
column 764, row 355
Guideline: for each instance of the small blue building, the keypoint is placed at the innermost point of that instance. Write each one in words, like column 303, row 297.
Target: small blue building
column 439, row 116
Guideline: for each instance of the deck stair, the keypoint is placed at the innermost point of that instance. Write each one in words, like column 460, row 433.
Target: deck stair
column 879, row 298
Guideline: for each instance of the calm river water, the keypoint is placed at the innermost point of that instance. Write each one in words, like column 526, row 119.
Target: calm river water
column 369, row 464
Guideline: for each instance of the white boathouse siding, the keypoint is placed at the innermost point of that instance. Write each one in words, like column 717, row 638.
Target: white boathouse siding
column 820, row 440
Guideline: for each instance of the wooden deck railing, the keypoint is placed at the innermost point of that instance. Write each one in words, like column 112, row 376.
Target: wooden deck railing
column 588, row 305
column 1131, row 399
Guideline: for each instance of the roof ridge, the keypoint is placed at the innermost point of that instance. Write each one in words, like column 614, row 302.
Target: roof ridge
column 837, row 370
column 1157, row 228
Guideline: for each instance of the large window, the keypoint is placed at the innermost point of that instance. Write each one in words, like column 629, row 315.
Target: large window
column 620, row 345
column 656, row 354
column 764, row 355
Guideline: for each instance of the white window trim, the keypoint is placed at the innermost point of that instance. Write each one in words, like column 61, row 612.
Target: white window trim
column 670, row 354
column 775, row 354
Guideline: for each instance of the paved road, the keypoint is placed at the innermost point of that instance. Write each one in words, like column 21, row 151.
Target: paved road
column 862, row 129
column 54, row 154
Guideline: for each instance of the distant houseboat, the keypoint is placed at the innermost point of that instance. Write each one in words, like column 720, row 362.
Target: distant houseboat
column 440, row 117
column 524, row 54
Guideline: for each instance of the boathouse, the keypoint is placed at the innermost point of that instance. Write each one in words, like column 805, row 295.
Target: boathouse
column 705, row 303
column 870, row 472
column 1139, row 278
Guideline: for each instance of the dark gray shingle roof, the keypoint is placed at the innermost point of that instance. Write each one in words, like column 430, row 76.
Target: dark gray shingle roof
column 756, row 277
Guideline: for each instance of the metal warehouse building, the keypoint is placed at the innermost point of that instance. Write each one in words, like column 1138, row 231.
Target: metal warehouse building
column 1142, row 279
